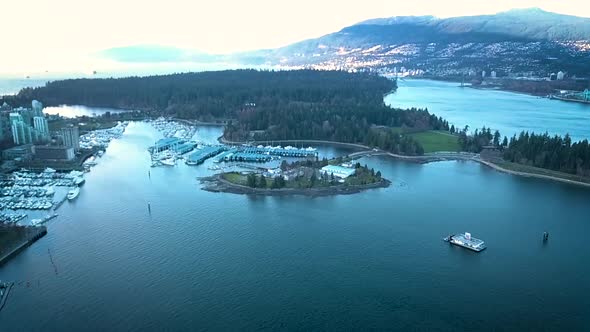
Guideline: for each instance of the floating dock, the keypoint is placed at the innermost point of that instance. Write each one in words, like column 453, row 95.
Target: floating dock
column 203, row 154
column 466, row 241
column 282, row 152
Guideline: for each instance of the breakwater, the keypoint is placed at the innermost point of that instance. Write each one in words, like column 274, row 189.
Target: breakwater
column 14, row 239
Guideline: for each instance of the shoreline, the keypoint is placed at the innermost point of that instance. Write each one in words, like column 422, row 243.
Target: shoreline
column 531, row 175
column 427, row 158
column 216, row 183
column 494, row 87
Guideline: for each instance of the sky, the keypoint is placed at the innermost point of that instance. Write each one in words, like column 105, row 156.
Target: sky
column 66, row 35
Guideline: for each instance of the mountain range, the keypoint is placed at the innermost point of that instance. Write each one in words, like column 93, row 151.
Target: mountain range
column 524, row 42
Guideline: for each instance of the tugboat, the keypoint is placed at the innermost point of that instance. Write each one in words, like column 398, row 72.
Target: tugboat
column 466, row 241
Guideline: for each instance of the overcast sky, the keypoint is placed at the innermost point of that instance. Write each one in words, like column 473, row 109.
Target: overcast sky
column 63, row 35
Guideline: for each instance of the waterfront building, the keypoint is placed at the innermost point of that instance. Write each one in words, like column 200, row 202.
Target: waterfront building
column 41, row 127
column 21, row 132
column 71, row 137
column 5, row 133
column 63, row 153
column 165, row 144
column 22, row 152
column 338, row 171
column 560, row 75
column 483, row 74
column 37, row 108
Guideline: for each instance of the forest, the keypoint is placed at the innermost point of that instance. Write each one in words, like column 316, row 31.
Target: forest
column 262, row 105
column 550, row 152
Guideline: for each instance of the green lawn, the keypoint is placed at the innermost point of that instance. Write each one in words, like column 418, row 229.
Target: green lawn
column 433, row 141
column 236, row 178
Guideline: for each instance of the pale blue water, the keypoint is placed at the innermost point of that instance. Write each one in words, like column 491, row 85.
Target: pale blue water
column 78, row 110
column 375, row 260
column 508, row 112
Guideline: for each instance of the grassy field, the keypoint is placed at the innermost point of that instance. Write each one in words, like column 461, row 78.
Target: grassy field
column 434, row 141
column 235, row 178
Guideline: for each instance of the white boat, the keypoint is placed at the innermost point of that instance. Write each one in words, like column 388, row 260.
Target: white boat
column 466, row 241
column 36, row 222
column 79, row 180
column 73, row 193
column 168, row 162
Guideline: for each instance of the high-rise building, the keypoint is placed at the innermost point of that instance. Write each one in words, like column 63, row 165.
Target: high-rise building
column 37, row 108
column 5, row 133
column 42, row 128
column 21, row 132
column 71, row 137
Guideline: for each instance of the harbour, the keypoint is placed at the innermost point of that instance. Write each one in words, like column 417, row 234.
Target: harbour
column 271, row 244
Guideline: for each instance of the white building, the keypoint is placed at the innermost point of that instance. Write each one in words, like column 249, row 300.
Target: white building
column 493, row 74
column 338, row 171
column 560, row 75
column 42, row 128
column 71, row 137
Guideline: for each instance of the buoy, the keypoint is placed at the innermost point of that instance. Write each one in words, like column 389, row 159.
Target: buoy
column 149, row 208
column 545, row 236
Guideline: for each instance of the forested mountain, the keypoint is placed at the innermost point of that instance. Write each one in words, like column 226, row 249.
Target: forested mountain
column 511, row 43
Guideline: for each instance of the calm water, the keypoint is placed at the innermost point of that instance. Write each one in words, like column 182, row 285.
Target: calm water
column 78, row 110
column 207, row 261
column 510, row 113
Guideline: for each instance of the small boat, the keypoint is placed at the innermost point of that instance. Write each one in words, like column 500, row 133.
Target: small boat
column 79, row 180
column 168, row 162
column 466, row 241
column 72, row 194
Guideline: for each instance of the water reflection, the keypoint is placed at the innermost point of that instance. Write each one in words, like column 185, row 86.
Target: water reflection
column 78, row 110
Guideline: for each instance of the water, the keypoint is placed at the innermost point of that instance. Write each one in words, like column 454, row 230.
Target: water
column 11, row 86
column 508, row 112
column 375, row 260
column 78, row 110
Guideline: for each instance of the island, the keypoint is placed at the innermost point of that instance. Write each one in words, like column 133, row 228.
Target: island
column 338, row 176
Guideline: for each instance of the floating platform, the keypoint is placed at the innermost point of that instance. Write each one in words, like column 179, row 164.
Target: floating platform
column 465, row 240
column 203, row 154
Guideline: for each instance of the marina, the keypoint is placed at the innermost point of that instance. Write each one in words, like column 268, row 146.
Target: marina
column 199, row 156
column 102, row 137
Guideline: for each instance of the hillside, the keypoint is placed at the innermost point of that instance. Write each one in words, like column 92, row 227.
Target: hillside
column 514, row 43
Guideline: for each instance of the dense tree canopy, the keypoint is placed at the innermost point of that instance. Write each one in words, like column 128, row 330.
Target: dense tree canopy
column 555, row 153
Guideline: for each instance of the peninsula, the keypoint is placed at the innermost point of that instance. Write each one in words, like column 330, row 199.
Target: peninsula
column 310, row 178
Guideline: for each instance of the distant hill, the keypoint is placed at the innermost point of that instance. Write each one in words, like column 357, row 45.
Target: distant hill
column 516, row 42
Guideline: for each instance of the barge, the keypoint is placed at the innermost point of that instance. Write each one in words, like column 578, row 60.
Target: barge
column 465, row 240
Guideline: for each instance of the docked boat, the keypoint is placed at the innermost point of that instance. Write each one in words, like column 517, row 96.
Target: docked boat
column 168, row 162
column 465, row 240
column 79, row 180
column 72, row 194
